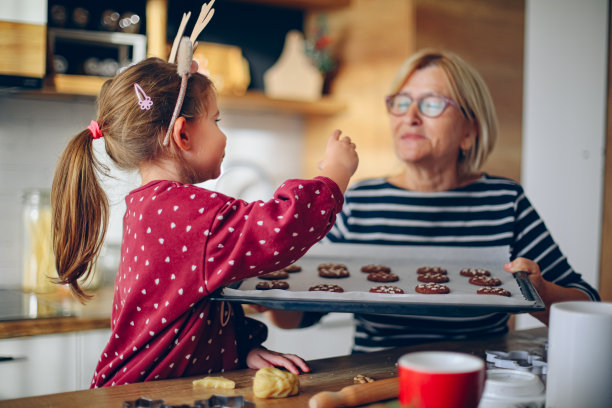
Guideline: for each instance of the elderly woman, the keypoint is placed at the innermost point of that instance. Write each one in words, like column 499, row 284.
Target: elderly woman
column 444, row 127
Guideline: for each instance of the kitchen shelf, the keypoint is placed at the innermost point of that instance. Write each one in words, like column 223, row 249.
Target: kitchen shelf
column 258, row 101
column 301, row 4
column 81, row 86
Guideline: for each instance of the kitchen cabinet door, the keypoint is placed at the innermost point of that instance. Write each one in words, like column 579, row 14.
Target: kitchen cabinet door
column 89, row 345
column 40, row 365
column 49, row 364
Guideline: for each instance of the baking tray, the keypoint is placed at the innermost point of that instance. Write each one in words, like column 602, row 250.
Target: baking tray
column 403, row 261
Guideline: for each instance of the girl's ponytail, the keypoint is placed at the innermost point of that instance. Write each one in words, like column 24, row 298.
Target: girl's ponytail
column 80, row 213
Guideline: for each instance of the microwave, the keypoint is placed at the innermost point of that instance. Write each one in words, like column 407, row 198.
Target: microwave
column 23, row 43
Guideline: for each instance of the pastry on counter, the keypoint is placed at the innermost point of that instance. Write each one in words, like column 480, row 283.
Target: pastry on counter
column 271, row 382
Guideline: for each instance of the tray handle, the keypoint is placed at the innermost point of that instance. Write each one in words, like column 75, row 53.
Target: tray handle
column 527, row 288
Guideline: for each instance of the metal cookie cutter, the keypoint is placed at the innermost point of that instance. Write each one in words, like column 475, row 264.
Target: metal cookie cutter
column 216, row 401
column 518, row 360
column 223, row 401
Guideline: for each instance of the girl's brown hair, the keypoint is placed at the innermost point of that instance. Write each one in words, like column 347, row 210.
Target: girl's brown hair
column 132, row 135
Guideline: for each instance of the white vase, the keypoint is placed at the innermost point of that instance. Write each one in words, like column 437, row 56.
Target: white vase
column 293, row 76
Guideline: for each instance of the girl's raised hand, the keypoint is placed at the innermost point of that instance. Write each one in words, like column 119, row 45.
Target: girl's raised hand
column 262, row 358
column 340, row 160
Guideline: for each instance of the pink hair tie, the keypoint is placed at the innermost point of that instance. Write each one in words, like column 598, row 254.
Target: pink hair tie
column 94, row 128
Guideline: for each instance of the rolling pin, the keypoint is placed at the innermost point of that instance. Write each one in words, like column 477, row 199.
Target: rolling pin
column 357, row 394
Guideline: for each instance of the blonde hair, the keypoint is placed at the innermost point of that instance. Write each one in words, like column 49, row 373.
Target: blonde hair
column 470, row 92
column 132, row 136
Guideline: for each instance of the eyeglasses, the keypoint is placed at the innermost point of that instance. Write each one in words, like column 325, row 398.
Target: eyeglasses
column 430, row 105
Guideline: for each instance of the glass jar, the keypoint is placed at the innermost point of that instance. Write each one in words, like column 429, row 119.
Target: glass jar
column 38, row 257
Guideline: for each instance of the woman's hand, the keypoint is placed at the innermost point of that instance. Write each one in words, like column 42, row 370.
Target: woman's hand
column 548, row 291
column 533, row 271
column 261, row 358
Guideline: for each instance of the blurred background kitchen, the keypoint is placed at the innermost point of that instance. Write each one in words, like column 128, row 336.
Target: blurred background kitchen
column 545, row 61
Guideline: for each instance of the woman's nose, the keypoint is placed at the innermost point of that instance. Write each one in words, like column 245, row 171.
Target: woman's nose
column 412, row 115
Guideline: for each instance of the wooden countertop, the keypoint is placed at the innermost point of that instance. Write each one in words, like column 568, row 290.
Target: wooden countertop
column 95, row 314
column 329, row 374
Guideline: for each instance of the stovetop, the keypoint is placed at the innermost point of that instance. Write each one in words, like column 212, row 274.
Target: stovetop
column 18, row 305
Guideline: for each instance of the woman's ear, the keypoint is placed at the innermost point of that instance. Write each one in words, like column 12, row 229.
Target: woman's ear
column 468, row 141
column 470, row 138
column 180, row 134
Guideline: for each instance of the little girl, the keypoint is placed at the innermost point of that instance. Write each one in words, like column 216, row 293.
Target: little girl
column 181, row 242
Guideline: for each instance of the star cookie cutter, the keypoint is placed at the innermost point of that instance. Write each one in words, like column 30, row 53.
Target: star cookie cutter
column 521, row 360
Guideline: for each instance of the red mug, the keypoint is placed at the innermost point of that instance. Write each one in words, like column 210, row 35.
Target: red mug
column 440, row 379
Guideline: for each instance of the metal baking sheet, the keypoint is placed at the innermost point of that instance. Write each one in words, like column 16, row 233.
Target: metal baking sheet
column 403, row 261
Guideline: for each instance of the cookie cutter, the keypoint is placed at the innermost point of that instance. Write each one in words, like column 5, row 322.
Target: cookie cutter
column 216, row 401
column 521, row 360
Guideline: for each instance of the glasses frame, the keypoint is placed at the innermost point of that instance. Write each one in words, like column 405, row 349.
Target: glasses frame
column 447, row 102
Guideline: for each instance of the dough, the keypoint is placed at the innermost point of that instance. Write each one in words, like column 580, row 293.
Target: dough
column 214, row 382
column 270, row 382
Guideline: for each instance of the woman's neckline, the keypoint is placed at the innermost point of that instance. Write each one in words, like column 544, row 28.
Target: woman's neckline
column 468, row 182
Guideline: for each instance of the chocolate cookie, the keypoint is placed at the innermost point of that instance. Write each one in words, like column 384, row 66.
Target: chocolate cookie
column 432, row 277
column 392, row 290
column 375, row 268
column 484, row 281
column 274, row 275
column 432, row 269
column 474, row 272
column 331, row 265
column 488, row 290
column 432, row 288
column 333, row 271
column 273, row 284
column 324, row 287
column 293, row 268
column 382, row 277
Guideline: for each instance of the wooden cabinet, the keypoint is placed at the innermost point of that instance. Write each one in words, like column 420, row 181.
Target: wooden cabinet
column 22, row 42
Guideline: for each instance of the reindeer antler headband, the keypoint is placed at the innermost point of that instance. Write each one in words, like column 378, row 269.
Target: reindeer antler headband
column 182, row 53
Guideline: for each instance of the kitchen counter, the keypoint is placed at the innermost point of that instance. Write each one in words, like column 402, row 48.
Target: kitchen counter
column 95, row 314
column 329, row 374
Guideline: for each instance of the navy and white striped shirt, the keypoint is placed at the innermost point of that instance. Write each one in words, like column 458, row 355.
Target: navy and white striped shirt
column 492, row 211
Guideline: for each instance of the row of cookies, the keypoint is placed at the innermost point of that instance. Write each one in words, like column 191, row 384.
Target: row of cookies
column 477, row 276
column 431, row 276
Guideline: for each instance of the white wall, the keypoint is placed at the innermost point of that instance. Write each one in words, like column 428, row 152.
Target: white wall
column 24, row 11
column 564, row 118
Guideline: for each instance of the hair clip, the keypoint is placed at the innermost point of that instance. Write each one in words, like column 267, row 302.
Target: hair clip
column 183, row 47
column 144, row 100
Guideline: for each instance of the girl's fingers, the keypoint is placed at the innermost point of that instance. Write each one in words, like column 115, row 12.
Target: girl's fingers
column 257, row 361
column 335, row 134
column 289, row 361
column 279, row 361
column 298, row 362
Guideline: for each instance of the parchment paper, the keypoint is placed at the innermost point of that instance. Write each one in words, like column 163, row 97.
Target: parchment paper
column 403, row 261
